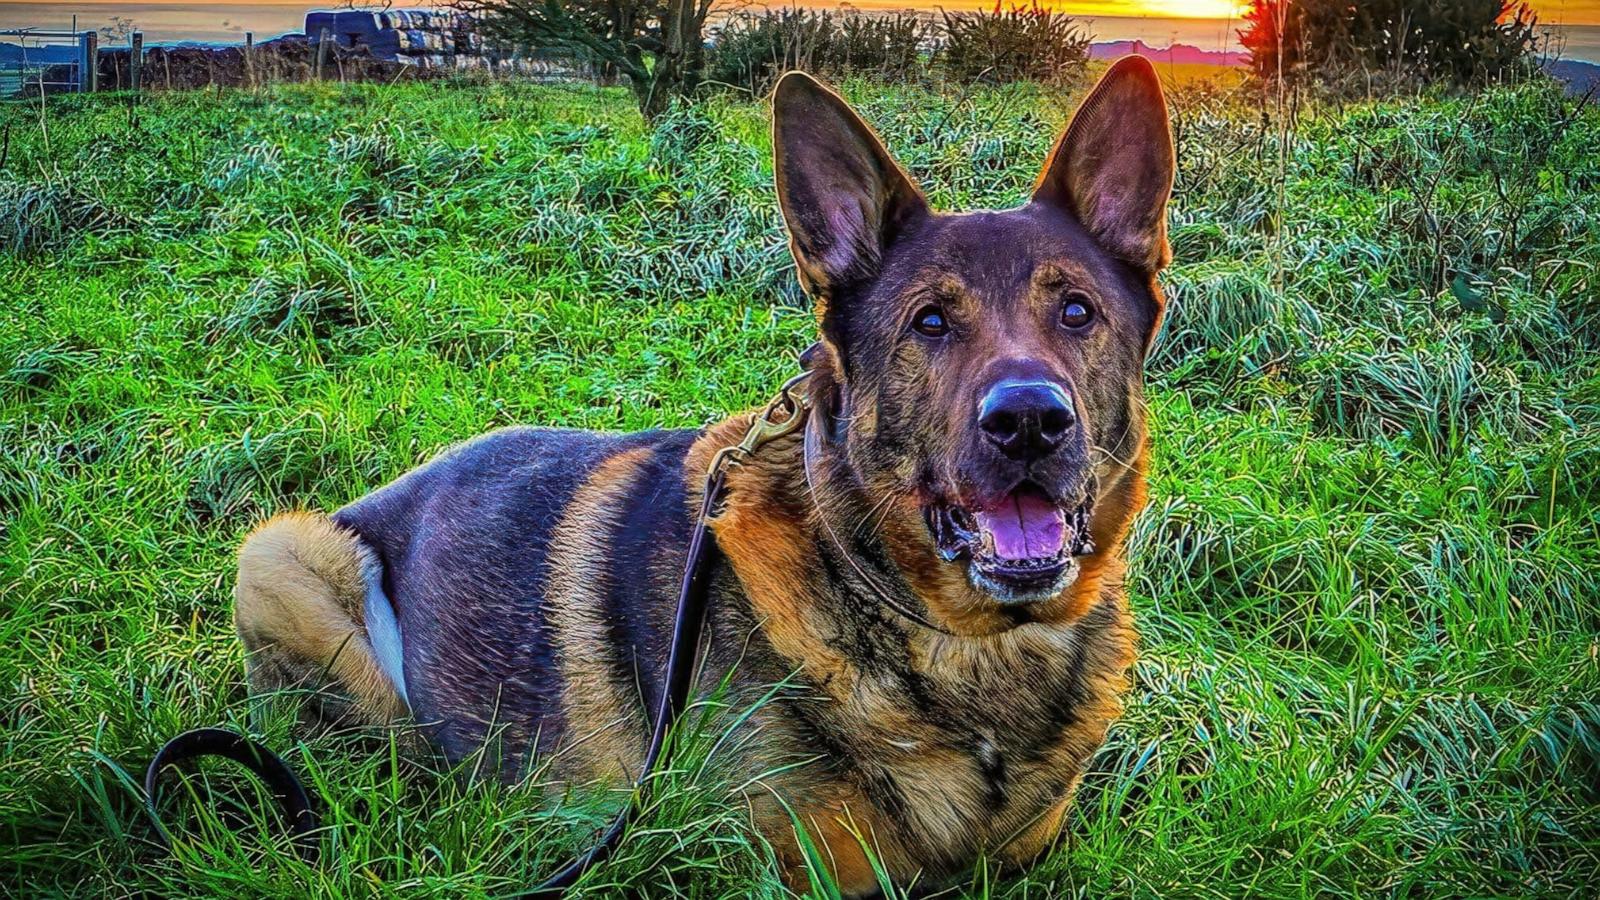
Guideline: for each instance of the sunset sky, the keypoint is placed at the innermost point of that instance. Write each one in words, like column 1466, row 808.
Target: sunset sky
column 1568, row 12
column 1573, row 12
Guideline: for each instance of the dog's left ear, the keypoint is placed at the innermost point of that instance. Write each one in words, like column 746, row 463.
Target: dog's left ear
column 843, row 197
column 1113, row 168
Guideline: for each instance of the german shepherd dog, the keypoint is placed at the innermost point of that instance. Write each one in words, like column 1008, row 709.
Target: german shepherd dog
column 932, row 566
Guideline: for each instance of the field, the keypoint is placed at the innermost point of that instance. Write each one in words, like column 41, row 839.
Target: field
column 1366, row 581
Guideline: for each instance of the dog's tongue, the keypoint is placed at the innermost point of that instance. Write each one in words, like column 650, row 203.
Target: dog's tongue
column 1024, row 526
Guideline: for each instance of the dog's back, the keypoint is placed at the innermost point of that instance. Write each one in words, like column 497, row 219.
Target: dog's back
column 461, row 554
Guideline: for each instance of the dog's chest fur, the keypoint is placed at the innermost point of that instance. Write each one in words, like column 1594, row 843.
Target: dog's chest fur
column 961, row 743
column 937, row 745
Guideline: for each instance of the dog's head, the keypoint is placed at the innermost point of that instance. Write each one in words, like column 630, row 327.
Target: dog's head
column 980, row 373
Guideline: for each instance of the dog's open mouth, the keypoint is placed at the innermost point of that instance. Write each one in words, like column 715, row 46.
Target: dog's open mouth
column 1021, row 547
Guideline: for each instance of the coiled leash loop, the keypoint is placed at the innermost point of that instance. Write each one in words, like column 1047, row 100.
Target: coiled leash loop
column 785, row 415
column 266, row 765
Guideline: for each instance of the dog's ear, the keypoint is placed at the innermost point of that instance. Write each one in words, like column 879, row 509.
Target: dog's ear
column 843, row 197
column 1113, row 167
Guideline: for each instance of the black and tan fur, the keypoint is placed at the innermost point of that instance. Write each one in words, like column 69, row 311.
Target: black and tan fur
column 532, row 572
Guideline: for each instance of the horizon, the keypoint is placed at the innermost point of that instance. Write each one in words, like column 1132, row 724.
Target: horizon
column 1573, row 26
column 1554, row 12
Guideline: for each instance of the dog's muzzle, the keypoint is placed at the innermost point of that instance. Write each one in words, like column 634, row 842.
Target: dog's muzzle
column 1020, row 548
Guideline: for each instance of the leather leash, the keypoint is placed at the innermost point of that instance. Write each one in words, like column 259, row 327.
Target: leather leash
column 783, row 416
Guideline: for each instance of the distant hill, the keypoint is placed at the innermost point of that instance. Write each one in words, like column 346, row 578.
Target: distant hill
column 1580, row 76
column 1181, row 54
column 11, row 54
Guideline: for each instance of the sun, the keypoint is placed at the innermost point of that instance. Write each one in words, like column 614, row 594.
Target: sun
column 1196, row 9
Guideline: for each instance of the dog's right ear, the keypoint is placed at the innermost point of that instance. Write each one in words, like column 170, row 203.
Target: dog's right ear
column 843, row 197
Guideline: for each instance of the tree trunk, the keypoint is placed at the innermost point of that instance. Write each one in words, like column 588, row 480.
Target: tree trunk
column 676, row 71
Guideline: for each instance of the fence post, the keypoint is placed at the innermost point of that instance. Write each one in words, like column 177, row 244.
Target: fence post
column 249, row 59
column 322, row 52
column 88, row 61
column 135, row 60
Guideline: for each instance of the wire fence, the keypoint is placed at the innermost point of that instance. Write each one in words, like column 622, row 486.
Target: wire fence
column 343, row 45
column 46, row 61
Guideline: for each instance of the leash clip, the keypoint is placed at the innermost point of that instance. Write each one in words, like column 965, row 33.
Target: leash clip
column 781, row 417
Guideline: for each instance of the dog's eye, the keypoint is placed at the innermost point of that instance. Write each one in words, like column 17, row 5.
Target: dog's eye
column 1076, row 312
column 930, row 321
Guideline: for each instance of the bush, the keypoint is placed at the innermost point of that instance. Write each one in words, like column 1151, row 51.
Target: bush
column 1023, row 43
column 887, row 47
column 751, row 50
column 1462, row 42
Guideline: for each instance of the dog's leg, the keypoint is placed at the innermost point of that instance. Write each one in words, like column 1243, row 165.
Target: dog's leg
column 1041, row 835
column 839, row 839
column 836, row 834
column 306, row 591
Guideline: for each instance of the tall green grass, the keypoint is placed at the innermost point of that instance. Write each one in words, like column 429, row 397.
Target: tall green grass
column 1366, row 581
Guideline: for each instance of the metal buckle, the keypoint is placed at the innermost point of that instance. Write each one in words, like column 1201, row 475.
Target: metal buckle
column 781, row 417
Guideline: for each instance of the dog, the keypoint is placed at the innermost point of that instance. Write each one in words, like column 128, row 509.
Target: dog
column 931, row 569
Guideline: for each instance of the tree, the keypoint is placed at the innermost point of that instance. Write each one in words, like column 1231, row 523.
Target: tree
column 1270, row 54
column 119, row 29
column 659, row 45
column 1458, row 41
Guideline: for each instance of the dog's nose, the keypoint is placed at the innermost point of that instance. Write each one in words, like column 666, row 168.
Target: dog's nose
column 1027, row 420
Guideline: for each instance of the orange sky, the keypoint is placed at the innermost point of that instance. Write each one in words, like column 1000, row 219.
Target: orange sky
column 1556, row 11
column 1572, row 11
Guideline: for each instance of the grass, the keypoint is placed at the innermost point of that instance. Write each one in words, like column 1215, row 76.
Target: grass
column 1367, row 578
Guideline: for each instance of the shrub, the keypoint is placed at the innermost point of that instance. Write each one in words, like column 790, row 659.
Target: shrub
column 1024, row 43
column 1462, row 42
column 1031, row 43
column 751, row 50
column 888, row 47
